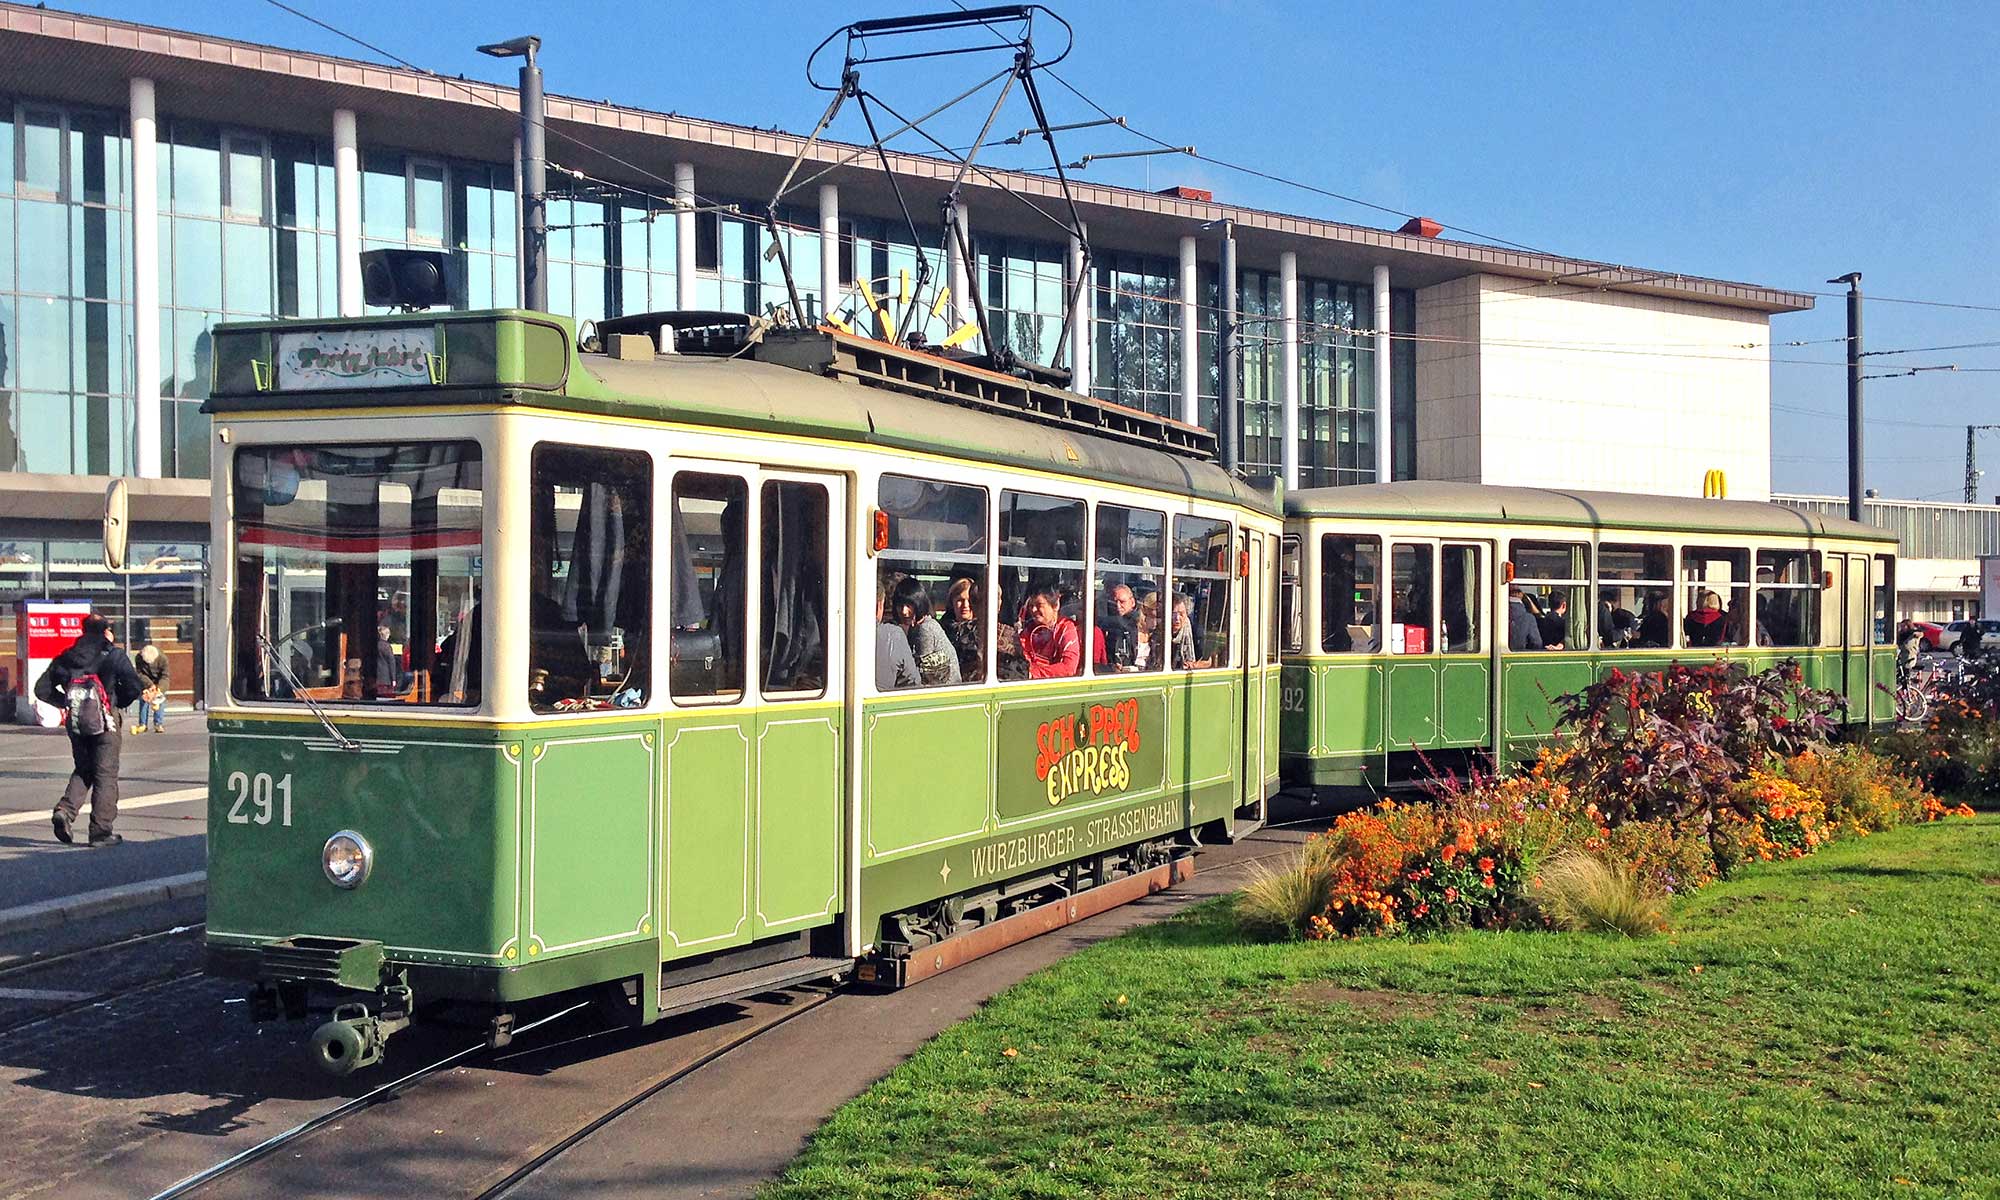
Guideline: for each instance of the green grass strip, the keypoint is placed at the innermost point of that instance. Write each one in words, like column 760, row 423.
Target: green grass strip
column 1823, row 1028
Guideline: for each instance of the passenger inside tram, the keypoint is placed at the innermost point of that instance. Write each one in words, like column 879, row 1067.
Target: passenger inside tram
column 1656, row 628
column 1706, row 625
column 895, row 664
column 961, row 627
column 1049, row 641
column 1115, row 637
column 1186, row 636
column 910, row 611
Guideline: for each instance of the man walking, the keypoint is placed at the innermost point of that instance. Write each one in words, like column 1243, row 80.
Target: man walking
column 92, row 682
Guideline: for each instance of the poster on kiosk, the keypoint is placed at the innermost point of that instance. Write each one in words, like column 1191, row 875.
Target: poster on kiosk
column 43, row 629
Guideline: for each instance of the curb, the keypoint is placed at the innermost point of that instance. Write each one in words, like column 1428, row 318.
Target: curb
column 64, row 909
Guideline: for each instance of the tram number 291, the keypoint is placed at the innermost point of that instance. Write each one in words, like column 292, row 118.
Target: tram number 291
column 267, row 797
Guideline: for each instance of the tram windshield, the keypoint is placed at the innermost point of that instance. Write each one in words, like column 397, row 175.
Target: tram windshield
column 358, row 574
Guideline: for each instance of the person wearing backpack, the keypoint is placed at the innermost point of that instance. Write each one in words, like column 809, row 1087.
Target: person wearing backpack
column 93, row 683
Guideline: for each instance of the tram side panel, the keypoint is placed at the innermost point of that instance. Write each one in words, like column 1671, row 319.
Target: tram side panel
column 964, row 792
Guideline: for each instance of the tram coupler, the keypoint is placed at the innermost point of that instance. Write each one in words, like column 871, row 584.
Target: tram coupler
column 354, row 1038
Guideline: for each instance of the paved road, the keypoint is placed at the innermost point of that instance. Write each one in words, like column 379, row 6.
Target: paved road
column 128, row 1094
column 161, row 839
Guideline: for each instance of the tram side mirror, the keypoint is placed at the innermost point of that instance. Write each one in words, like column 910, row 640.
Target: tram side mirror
column 405, row 279
column 117, row 524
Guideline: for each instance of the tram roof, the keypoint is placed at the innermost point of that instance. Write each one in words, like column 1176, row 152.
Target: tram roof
column 1437, row 500
column 514, row 357
column 746, row 394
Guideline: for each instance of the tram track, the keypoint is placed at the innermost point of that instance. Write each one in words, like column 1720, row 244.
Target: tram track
column 440, row 1136
column 28, row 965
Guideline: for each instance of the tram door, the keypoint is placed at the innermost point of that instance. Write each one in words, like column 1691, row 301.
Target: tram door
column 1855, row 604
column 1250, row 550
column 755, row 751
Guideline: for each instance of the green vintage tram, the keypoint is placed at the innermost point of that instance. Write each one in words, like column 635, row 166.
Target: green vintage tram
column 704, row 662
column 1425, row 622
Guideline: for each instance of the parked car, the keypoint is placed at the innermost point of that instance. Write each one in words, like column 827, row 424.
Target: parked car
column 1933, row 634
column 1989, row 630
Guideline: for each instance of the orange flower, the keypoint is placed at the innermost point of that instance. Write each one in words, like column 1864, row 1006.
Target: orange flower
column 1448, row 853
column 1486, row 866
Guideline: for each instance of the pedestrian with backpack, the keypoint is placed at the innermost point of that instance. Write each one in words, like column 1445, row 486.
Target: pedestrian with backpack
column 93, row 683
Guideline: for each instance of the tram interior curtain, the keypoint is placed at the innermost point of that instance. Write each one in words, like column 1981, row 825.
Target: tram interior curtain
column 597, row 560
column 794, row 626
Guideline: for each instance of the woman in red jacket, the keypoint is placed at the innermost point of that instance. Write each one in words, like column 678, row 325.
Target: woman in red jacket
column 1049, row 641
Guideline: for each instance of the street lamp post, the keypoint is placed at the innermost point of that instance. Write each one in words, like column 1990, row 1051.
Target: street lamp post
column 1853, row 281
column 534, row 171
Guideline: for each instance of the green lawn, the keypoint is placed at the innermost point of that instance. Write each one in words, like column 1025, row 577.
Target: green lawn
column 1823, row 1028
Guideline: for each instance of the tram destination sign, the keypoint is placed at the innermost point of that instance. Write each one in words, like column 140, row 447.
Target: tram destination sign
column 346, row 359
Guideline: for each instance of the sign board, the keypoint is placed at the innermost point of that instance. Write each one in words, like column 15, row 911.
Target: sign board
column 345, row 359
column 1989, row 586
column 43, row 629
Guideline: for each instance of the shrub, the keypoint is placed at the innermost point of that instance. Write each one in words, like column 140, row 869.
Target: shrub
column 1668, row 745
column 1666, row 858
column 1580, row 891
column 1863, row 792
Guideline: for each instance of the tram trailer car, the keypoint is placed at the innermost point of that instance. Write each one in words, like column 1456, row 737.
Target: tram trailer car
column 548, row 674
column 1397, row 600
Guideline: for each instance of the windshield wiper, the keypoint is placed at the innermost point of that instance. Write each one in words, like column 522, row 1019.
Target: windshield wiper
column 277, row 660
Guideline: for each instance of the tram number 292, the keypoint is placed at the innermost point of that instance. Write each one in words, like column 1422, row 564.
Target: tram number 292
column 259, row 798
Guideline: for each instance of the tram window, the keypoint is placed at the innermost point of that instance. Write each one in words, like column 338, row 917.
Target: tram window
column 358, row 574
column 932, row 583
column 1787, row 597
column 589, row 578
column 710, row 578
column 1635, row 596
column 1830, row 600
column 1131, row 575
column 1463, row 598
column 1553, row 579
column 1198, row 625
column 1040, row 628
column 1291, row 614
column 1885, row 599
column 1272, row 589
column 1716, row 588
column 1412, row 587
column 795, row 588
column 1350, row 594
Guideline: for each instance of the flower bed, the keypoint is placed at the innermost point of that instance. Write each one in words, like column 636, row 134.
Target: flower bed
column 1667, row 781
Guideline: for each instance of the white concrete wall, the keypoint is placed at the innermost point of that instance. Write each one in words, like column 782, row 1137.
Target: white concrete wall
column 1562, row 386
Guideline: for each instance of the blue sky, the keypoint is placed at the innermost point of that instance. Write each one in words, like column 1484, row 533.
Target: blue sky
column 1780, row 145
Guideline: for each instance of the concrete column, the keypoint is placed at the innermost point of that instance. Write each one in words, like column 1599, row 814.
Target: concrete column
column 1190, row 332
column 1288, row 365
column 347, row 211
column 1385, row 460
column 145, row 282
column 829, row 248
column 1080, row 335
column 684, row 234
column 957, row 277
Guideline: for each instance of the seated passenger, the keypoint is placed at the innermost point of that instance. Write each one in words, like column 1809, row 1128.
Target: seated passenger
column 1706, row 625
column 1554, row 623
column 1114, row 642
column 910, row 608
column 1524, row 630
column 1656, row 628
column 1146, row 633
column 961, row 626
column 1181, row 632
column 895, row 666
column 1050, row 643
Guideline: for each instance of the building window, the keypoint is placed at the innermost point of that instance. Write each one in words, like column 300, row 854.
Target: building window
column 1138, row 360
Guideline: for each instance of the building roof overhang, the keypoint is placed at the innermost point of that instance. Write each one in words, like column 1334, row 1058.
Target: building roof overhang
column 89, row 60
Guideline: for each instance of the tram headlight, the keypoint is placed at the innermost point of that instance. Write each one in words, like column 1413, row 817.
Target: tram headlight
column 346, row 859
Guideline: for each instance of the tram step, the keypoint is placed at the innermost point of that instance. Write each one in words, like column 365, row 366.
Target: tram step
column 738, row 984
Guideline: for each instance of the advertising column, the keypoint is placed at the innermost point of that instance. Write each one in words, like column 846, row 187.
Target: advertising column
column 43, row 630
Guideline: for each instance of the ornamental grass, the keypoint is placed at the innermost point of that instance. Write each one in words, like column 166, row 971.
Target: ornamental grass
column 1585, row 893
